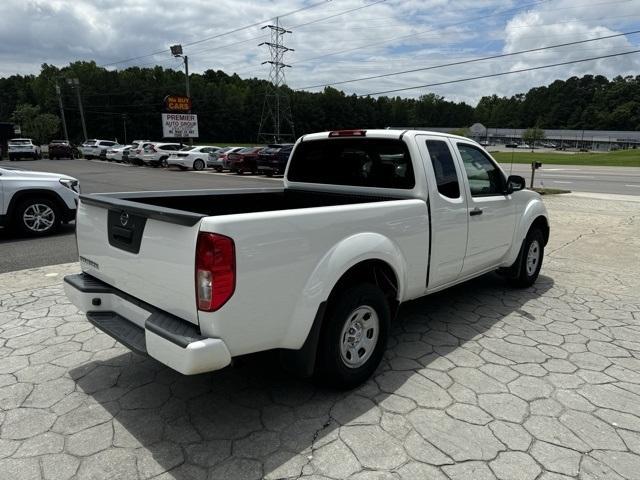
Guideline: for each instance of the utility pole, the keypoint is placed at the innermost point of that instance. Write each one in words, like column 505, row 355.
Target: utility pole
column 76, row 84
column 124, row 127
column 276, row 108
column 64, row 121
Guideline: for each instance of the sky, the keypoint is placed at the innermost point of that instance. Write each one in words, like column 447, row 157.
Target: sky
column 332, row 40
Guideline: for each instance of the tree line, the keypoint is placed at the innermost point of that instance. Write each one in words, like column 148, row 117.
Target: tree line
column 229, row 107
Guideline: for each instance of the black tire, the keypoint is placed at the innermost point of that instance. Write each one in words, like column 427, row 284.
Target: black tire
column 163, row 162
column 198, row 165
column 12, row 158
column 269, row 173
column 219, row 169
column 524, row 272
column 43, row 205
column 332, row 367
column 182, row 168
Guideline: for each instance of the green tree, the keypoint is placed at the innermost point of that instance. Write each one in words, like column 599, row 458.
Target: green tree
column 39, row 126
column 533, row 135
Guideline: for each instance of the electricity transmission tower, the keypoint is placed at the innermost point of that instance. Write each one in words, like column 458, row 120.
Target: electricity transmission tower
column 276, row 121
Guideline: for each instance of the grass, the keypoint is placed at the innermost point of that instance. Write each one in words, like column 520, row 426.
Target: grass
column 621, row 158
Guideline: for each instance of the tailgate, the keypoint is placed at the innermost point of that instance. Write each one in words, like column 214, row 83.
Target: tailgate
column 145, row 251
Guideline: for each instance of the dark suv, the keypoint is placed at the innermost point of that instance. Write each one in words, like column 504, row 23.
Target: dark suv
column 273, row 159
column 60, row 149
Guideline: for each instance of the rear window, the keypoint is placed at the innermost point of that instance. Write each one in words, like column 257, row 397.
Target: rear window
column 382, row 163
column 19, row 142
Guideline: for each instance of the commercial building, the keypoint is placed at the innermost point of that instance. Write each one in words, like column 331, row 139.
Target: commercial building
column 602, row 140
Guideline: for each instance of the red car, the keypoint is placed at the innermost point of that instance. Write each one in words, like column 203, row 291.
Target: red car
column 244, row 160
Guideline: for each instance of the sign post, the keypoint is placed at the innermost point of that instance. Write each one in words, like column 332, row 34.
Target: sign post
column 179, row 122
column 179, row 125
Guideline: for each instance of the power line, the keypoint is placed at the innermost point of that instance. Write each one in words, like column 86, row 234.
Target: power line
column 402, row 37
column 206, row 39
column 263, row 37
column 529, row 69
column 473, row 60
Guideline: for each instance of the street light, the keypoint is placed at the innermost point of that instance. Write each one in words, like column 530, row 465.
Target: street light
column 176, row 51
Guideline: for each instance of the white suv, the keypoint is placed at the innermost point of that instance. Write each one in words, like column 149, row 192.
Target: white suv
column 23, row 147
column 96, row 148
column 36, row 203
column 157, row 154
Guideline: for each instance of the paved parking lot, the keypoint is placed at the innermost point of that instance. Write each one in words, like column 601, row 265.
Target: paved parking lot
column 479, row 382
column 96, row 177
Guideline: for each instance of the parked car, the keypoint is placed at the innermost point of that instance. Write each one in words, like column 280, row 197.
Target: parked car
column 549, row 145
column 36, row 203
column 23, row 148
column 60, row 149
column 218, row 160
column 92, row 149
column 244, row 160
column 137, row 148
column 273, row 159
column 511, row 145
column 119, row 154
column 192, row 157
column 157, row 154
column 316, row 268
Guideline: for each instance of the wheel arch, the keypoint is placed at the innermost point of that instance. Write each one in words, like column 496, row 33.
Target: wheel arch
column 366, row 257
column 21, row 195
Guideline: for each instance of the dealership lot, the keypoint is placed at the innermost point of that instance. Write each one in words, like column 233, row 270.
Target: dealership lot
column 478, row 382
column 99, row 176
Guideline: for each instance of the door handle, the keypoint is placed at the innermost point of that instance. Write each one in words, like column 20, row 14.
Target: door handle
column 475, row 211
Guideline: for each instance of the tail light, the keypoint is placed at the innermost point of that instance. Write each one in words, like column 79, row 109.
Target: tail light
column 215, row 271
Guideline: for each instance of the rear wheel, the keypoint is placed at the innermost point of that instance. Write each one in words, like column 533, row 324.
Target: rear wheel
column 354, row 336
column 198, row 165
column 37, row 216
column 163, row 162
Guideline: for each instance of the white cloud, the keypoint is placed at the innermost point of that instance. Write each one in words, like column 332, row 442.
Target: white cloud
column 398, row 35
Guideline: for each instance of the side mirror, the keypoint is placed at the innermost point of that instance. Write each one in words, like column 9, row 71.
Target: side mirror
column 515, row 183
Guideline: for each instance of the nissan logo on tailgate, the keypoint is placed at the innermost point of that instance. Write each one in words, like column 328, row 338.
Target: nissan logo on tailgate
column 124, row 218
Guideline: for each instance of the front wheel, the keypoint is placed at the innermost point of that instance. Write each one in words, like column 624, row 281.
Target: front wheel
column 198, row 165
column 163, row 162
column 524, row 272
column 354, row 336
column 37, row 217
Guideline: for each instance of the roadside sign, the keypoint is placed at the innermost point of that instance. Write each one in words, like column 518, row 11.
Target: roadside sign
column 179, row 125
column 177, row 103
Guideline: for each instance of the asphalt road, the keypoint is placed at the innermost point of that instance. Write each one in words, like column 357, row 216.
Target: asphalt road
column 96, row 176
column 618, row 180
column 17, row 253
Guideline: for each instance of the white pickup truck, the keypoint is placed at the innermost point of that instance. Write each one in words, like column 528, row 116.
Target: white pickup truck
column 366, row 220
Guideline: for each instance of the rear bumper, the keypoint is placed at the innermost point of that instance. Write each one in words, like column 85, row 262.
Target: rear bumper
column 144, row 328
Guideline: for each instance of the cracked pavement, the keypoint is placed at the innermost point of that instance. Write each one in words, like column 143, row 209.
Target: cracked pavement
column 478, row 382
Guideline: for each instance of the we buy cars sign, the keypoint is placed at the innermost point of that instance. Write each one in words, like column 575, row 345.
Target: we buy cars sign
column 179, row 125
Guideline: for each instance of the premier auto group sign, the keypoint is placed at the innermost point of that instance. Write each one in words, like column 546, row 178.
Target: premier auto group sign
column 179, row 125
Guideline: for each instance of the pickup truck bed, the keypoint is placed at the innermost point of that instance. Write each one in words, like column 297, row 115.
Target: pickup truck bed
column 174, row 204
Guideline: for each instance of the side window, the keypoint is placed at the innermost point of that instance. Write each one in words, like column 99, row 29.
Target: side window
column 444, row 168
column 484, row 177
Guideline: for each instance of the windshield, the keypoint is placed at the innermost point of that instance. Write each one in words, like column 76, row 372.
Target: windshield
column 187, row 149
column 89, row 143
